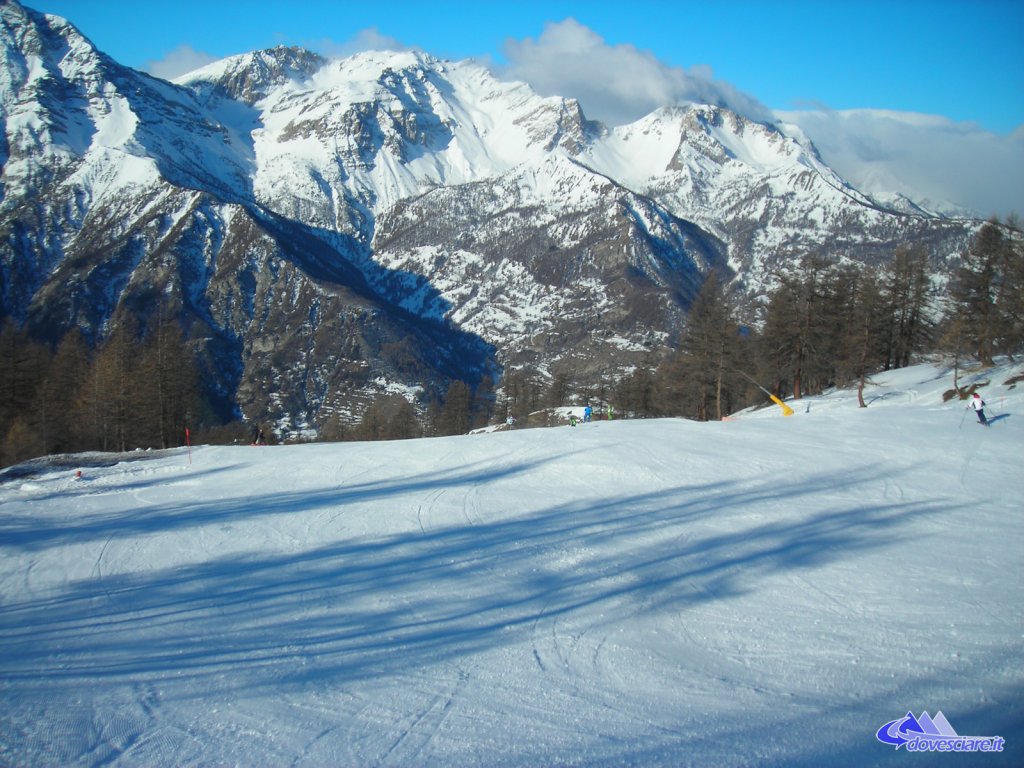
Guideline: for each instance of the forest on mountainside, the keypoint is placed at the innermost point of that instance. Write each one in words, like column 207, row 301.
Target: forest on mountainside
column 833, row 325
column 826, row 325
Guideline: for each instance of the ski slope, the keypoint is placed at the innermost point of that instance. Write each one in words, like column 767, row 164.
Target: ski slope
column 760, row 591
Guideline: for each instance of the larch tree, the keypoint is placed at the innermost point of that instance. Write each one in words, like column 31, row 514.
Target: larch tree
column 974, row 290
column 707, row 352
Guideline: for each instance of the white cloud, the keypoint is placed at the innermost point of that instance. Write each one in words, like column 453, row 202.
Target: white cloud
column 366, row 40
column 929, row 158
column 180, row 61
column 615, row 83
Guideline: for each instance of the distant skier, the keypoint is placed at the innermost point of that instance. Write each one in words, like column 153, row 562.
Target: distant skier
column 979, row 408
column 588, row 414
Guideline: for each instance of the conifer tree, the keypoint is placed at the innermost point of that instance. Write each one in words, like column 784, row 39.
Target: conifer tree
column 165, row 386
column 1010, row 293
column 558, row 392
column 975, row 288
column 636, row 394
column 106, row 397
column 522, row 392
column 707, row 353
column 21, row 442
column 23, row 366
column 403, row 423
column 456, row 413
column 483, row 403
column 389, row 417
column 861, row 349
column 373, row 424
column 62, row 430
column 906, row 288
column 803, row 325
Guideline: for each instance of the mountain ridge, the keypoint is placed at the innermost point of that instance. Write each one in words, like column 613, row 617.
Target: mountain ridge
column 270, row 195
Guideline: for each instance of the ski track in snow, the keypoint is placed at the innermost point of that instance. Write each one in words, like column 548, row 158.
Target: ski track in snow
column 761, row 591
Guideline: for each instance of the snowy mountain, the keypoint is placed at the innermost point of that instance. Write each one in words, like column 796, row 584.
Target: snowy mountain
column 604, row 595
column 328, row 230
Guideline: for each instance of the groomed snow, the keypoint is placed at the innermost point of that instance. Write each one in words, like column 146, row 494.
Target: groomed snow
column 760, row 591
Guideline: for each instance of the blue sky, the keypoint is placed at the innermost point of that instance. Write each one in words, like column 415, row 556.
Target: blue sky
column 961, row 61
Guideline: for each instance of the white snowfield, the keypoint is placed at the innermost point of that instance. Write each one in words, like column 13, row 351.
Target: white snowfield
column 760, row 591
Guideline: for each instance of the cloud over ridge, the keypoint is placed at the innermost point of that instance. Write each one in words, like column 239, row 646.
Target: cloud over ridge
column 937, row 161
column 947, row 165
column 616, row 83
column 178, row 62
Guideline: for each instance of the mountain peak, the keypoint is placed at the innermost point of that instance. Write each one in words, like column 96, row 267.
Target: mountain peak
column 35, row 46
column 287, row 202
column 249, row 77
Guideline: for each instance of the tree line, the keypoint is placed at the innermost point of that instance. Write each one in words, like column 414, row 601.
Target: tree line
column 461, row 408
column 828, row 324
column 833, row 324
column 136, row 389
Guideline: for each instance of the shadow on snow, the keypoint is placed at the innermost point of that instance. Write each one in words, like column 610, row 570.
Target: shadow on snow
column 368, row 607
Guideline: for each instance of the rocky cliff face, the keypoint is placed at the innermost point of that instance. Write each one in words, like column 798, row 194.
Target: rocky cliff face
column 330, row 230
